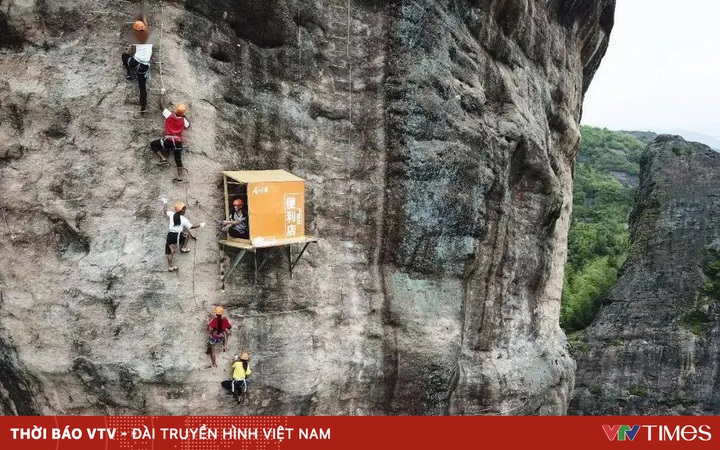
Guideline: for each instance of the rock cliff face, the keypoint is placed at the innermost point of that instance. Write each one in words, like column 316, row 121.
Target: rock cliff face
column 653, row 349
column 437, row 140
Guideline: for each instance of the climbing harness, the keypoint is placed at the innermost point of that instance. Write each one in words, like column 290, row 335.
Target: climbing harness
column 138, row 67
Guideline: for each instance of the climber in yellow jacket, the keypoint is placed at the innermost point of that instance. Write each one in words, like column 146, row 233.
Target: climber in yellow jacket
column 241, row 370
column 241, row 367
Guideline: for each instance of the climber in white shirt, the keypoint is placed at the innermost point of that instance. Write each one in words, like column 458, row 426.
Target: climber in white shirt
column 137, row 60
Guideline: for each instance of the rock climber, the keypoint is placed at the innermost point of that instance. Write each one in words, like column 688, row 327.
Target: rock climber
column 137, row 60
column 175, row 124
column 219, row 333
column 178, row 232
column 237, row 226
column 237, row 385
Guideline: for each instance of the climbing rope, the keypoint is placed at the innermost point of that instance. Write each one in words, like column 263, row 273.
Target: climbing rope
column 187, row 202
column 160, row 61
column 299, row 71
column 186, row 171
column 350, row 152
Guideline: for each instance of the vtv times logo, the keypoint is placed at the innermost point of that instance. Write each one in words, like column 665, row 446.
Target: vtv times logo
column 679, row 433
column 621, row 432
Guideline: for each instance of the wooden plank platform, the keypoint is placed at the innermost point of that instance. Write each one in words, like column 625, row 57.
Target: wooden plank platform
column 247, row 245
column 237, row 243
column 286, row 241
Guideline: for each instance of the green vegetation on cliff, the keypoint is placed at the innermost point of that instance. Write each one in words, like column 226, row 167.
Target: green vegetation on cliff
column 605, row 177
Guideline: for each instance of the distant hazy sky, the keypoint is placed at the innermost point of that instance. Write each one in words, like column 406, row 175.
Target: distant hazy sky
column 662, row 68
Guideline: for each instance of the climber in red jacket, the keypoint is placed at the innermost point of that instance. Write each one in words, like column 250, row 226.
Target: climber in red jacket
column 175, row 124
column 219, row 333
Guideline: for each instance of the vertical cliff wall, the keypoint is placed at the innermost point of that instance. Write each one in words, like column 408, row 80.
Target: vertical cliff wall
column 436, row 138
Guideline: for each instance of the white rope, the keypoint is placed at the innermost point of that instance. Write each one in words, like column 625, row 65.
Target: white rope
column 350, row 118
column 349, row 142
column 160, row 63
column 299, row 71
column 347, row 51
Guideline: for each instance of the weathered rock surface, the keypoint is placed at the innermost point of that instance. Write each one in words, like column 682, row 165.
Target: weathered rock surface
column 653, row 348
column 437, row 138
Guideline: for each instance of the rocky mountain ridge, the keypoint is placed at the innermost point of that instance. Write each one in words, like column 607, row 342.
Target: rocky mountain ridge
column 652, row 349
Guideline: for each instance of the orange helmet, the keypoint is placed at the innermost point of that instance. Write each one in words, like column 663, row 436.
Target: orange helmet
column 245, row 356
column 179, row 207
column 139, row 25
column 219, row 310
column 238, row 202
column 180, row 109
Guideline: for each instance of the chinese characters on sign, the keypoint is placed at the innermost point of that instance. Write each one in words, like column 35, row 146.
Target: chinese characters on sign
column 293, row 216
column 261, row 190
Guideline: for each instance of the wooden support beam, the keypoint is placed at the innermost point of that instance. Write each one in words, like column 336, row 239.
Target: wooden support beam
column 292, row 266
column 235, row 262
column 256, row 268
column 263, row 260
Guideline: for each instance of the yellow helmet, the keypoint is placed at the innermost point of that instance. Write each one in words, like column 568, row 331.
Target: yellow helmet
column 180, row 109
column 179, row 206
column 245, row 356
column 219, row 310
column 139, row 25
